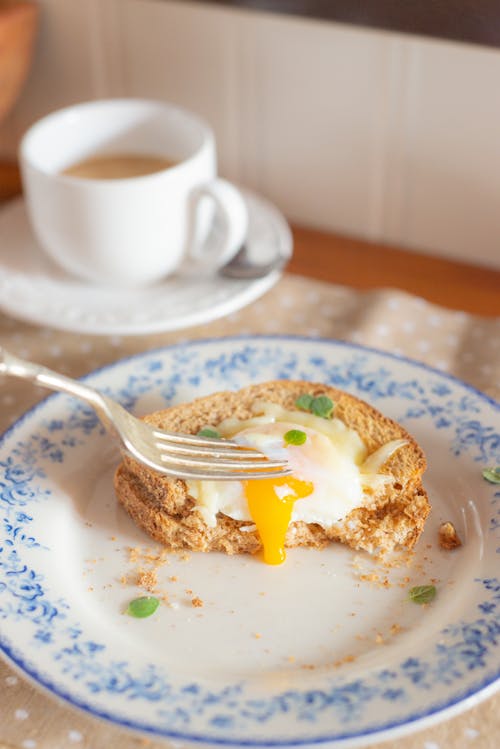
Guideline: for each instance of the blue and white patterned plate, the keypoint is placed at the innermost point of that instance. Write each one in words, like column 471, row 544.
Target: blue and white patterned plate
column 326, row 648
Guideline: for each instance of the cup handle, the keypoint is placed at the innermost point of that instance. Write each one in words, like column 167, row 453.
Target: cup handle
column 233, row 216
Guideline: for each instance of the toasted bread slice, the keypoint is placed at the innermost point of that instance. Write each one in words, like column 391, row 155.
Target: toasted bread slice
column 162, row 506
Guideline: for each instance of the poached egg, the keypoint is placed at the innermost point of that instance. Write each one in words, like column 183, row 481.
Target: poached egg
column 331, row 475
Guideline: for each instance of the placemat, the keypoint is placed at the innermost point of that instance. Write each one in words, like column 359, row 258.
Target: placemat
column 465, row 346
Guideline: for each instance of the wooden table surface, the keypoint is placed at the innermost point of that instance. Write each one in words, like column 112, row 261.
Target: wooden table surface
column 368, row 265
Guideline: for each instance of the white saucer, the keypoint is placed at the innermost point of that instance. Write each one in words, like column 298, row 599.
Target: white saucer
column 34, row 289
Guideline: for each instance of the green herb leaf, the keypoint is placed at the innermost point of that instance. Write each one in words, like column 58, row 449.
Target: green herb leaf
column 142, row 607
column 304, row 402
column 322, row 406
column 422, row 593
column 209, row 432
column 492, row 475
column 295, row 437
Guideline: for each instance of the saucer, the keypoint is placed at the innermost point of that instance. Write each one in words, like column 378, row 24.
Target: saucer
column 36, row 290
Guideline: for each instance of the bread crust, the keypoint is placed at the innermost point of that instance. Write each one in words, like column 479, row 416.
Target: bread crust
column 163, row 508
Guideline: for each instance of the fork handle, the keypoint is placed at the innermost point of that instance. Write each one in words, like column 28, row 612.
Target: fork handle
column 47, row 378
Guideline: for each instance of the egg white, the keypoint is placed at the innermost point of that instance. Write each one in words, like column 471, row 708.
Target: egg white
column 331, row 458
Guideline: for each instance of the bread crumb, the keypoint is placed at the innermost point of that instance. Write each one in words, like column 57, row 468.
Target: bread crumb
column 133, row 554
column 379, row 639
column 345, row 659
column 372, row 577
column 173, row 578
column 448, row 537
column 147, row 556
column 197, row 602
column 147, row 579
column 257, row 635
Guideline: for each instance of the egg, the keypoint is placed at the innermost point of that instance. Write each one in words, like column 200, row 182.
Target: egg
column 327, row 480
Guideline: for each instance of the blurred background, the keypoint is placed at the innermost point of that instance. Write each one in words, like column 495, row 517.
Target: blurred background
column 374, row 133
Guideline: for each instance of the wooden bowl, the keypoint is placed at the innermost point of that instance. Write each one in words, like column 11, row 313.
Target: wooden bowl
column 18, row 23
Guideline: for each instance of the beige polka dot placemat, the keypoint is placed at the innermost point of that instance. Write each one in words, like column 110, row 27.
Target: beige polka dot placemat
column 454, row 342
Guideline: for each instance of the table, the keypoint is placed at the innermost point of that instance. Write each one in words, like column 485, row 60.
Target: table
column 438, row 311
column 368, row 265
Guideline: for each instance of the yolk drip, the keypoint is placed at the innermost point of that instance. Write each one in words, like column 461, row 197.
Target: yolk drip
column 271, row 514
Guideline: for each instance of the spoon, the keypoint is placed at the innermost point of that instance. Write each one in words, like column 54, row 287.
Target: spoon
column 244, row 265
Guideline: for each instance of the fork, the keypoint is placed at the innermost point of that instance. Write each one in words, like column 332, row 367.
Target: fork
column 184, row 456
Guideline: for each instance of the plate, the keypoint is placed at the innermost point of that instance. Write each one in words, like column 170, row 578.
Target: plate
column 34, row 289
column 326, row 648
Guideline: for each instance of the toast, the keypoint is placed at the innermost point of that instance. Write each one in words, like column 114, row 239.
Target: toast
column 391, row 518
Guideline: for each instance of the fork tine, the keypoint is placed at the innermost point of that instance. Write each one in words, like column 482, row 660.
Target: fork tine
column 247, row 454
column 225, row 476
column 221, row 463
column 195, row 441
column 252, row 459
column 219, row 475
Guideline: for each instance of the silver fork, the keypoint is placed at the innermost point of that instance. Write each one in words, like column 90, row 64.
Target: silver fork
column 181, row 455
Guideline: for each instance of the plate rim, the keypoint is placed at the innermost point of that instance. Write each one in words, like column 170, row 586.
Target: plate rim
column 301, row 338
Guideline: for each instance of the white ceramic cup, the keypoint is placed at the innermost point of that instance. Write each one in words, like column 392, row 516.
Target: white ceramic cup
column 134, row 230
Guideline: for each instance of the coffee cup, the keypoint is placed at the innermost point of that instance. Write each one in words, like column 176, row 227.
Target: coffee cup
column 125, row 192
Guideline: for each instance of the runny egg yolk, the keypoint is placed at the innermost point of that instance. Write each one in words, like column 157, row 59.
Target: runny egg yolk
column 271, row 509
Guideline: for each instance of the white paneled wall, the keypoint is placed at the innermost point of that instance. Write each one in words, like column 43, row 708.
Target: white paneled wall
column 385, row 136
column 190, row 55
column 449, row 159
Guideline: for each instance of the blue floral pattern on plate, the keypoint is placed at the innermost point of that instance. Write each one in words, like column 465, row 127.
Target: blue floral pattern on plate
column 44, row 631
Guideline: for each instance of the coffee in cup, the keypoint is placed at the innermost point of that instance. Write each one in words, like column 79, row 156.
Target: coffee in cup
column 118, row 166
